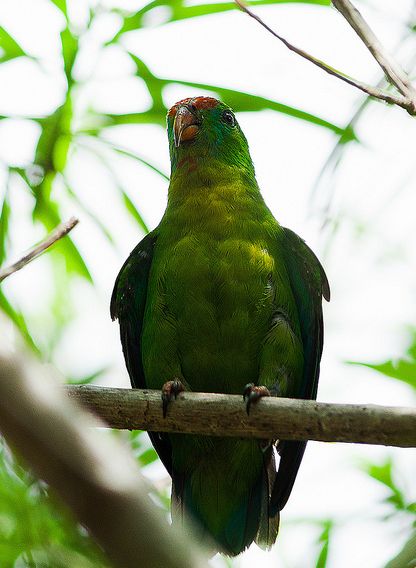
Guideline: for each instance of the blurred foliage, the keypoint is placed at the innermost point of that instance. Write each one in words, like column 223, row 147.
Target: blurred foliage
column 402, row 369
column 69, row 128
column 385, row 474
column 34, row 529
column 181, row 10
column 88, row 379
column 323, row 541
column 10, row 48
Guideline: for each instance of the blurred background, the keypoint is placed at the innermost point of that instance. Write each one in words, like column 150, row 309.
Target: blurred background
column 84, row 89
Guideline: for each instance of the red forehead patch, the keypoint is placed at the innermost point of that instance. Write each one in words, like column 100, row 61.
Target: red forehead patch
column 199, row 103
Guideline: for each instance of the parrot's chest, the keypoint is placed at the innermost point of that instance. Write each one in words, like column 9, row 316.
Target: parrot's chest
column 213, row 301
column 225, row 277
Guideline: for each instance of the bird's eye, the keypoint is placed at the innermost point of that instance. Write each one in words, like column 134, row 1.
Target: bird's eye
column 228, row 118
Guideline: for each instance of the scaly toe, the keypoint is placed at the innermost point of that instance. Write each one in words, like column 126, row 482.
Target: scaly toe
column 170, row 391
column 253, row 394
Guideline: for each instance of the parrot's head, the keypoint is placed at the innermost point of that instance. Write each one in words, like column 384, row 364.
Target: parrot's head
column 203, row 128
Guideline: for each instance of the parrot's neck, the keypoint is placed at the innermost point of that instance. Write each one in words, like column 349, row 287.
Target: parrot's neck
column 215, row 198
column 196, row 165
column 195, row 174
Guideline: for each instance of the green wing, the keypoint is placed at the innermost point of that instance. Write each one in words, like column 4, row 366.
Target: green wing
column 309, row 283
column 128, row 303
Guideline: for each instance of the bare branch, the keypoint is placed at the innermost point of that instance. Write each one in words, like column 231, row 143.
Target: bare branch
column 225, row 415
column 375, row 92
column 93, row 473
column 391, row 68
column 407, row 555
column 61, row 231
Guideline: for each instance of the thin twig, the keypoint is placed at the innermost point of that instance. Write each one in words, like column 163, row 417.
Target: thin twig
column 272, row 418
column 334, row 158
column 380, row 94
column 57, row 234
column 391, row 68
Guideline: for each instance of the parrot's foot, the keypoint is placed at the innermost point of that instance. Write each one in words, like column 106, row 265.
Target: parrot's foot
column 252, row 394
column 170, row 391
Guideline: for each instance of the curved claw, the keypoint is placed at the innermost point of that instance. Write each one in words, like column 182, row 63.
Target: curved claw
column 170, row 391
column 253, row 394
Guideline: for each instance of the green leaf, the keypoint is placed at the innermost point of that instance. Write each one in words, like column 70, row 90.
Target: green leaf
column 246, row 102
column 46, row 211
column 177, row 10
column 18, row 319
column 239, row 101
column 35, row 529
column 402, row 369
column 383, row 473
column 152, row 116
column 9, row 48
column 138, row 158
column 88, row 379
column 131, row 208
column 50, row 157
column 89, row 213
column 4, row 227
column 61, row 5
column 147, row 457
column 136, row 439
column 399, row 369
column 67, row 250
column 154, row 84
column 70, row 44
column 53, row 127
column 323, row 540
column 60, row 152
column 128, row 203
column 64, row 248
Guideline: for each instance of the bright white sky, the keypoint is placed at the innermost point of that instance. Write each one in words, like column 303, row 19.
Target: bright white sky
column 370, row 262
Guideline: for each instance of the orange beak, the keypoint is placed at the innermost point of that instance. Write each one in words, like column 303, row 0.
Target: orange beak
column 185, row 125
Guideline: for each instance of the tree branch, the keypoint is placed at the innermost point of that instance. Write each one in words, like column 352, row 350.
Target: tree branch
column 394, row 73
column 225, row 415
column 407, row 556
column 93, row 473
column 61, row 231
column 407, row 102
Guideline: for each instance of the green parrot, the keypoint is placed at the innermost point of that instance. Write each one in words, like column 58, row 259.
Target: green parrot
column 221, row 298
